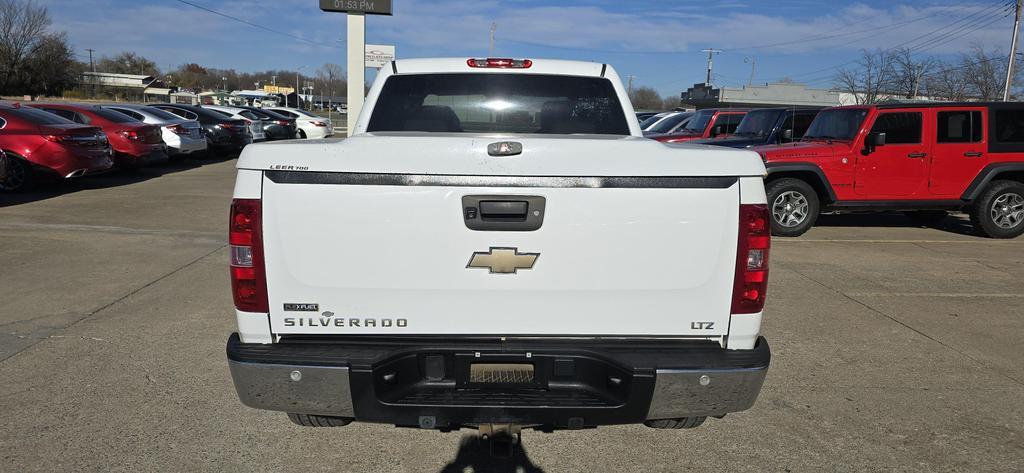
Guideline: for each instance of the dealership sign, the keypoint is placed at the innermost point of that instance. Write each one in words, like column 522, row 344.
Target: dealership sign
column 379, row 55
column 369, row 7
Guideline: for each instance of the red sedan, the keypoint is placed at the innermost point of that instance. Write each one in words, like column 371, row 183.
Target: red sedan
column 135, row 144
column 707, row 123
column 41, row 145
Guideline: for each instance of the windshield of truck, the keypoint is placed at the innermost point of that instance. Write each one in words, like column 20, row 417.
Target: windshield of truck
column 758, row 123
column 499, row 103
column 840, row 124
column 698, row 122
column 670, row 123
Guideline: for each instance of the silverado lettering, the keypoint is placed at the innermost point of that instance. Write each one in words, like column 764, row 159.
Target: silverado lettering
column 342, row 322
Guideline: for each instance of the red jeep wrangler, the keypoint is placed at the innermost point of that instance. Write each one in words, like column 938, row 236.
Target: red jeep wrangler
column 925, row 159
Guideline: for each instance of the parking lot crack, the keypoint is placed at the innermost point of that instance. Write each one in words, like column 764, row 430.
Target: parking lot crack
column 110, row 304
column 907, row 326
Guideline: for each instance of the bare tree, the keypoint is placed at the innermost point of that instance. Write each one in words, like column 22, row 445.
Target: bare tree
column 947, row 82
column 909, row 73
column 24, row 37
column 128, row 63
column 646, row 98
column 871, row 80
column 52, row 67
column 984, row 72
column 332, row 79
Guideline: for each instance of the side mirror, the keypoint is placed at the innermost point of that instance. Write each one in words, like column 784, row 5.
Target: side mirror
column 787, row 135
column 873, row 141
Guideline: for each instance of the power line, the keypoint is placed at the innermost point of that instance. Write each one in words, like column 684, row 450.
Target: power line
column 256, row 25
column 907, row 44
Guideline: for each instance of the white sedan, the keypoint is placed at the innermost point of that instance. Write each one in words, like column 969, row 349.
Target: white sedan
column 310, row 125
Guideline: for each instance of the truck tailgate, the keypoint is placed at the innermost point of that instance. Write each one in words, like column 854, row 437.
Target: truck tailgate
column 369, row 255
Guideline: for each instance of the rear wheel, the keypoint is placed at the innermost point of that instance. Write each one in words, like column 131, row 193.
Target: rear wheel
column 301, row 134
column 19, row 176
column 927, row 217
column 794, row 206
column 999, row 212
column 684, row 423
column 310, row 420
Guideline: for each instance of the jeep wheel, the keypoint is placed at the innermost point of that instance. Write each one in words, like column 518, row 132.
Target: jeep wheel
column 927, row 217
column 999, row 212
column 310, row 420
column 19, row 176
column 794, row 206
column 684, row 423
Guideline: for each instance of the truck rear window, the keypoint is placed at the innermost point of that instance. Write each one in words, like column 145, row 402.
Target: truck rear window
column 499, row 103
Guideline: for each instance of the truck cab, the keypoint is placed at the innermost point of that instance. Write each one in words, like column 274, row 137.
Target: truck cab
column 925, row 159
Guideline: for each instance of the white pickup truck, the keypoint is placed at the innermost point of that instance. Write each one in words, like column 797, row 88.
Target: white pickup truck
column 497, row 246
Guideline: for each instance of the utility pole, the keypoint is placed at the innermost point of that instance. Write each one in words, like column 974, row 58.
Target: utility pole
column 711, row 54
column 490, row 49
column 630, row 94
column 1013, row 53
column 92, row 67
column 753, row 67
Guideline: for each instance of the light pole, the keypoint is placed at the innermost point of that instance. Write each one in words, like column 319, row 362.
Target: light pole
column 298, row 104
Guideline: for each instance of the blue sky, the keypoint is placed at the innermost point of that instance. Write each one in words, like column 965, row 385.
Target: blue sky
column 657, row 41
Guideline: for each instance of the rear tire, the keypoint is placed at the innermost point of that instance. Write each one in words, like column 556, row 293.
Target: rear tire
column 794, row 206
column 927, row 217
column 301, row 135
column 311, row 420
column 999, row 211
column 20, row 177
column 684, row 423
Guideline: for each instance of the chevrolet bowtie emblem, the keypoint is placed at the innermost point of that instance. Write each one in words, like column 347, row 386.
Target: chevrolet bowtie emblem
column 503, row 260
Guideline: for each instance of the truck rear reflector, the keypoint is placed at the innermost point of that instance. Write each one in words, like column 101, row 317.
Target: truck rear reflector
column 248, row 273
column 752, row 260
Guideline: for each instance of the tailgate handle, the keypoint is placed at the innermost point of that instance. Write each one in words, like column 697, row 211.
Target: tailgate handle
column 503, row 213
column 503, row 210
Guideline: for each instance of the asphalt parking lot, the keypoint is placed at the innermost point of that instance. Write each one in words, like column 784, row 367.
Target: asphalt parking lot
column 896, row 348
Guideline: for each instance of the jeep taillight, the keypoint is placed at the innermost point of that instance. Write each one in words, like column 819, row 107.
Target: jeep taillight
column 248, row 276
column 755, row 239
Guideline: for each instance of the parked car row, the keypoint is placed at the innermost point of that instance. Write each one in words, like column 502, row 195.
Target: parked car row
column 55, row 141
column 925, row 159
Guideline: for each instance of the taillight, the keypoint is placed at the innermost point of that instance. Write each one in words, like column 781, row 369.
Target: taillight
column 130, row 134
column 56, row 138
column 316, row 123
column 178, row 129
column 281, row 122
column 755, row 239
column 248, row 275
column 500, row 63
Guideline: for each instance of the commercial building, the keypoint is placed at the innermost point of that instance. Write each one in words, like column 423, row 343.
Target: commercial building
column 768, row 95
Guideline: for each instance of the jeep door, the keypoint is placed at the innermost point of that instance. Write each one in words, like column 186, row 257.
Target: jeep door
column 899, row 168
column 959, row 151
